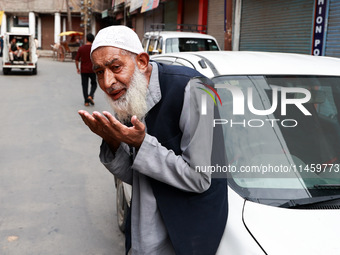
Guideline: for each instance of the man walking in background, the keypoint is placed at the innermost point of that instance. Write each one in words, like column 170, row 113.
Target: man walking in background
column 86, row 71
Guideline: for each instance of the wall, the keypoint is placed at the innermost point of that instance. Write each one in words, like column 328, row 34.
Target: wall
column 140, row 26
column 152, row 17
column 170, row 15
column 46, row 6
column 47, row 30
column 190, row 13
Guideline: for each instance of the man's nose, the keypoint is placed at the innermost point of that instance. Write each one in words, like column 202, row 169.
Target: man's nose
column 109, row 80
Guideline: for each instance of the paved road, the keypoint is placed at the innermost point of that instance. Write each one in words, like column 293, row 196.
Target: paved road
column 55, row 196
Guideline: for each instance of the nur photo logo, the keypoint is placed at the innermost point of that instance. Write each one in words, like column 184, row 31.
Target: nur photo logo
column 204, row 97
column 240, row 100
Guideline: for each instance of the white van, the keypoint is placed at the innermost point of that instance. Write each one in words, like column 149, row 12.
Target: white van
column 161, row 42
column 18, row 61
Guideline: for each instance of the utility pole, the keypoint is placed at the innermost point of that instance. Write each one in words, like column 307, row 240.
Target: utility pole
column 85, row 15
column 69, row 18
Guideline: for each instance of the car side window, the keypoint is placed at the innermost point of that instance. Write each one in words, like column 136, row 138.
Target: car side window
column 171, row 45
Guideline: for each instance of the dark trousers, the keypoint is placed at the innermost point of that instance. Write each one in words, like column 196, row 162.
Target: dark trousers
column 85, row 84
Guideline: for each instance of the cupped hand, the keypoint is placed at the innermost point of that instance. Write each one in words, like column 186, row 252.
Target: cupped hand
column 112, row 131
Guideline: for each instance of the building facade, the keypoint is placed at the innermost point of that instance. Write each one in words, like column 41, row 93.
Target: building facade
column 47, row 19
column 297, row 26
column 205, row 16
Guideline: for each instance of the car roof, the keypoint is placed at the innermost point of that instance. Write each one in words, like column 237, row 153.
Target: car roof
column 261, row 63
column 178, row 34
column 18, row 34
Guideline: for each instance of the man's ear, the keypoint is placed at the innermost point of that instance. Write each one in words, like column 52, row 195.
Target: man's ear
column 142, row 61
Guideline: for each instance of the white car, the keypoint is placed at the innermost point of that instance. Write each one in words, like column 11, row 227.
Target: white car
column 161, row 42
column 281, row 127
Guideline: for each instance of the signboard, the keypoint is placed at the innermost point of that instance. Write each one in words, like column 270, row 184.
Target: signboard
column 23, row 21
column 118, row 2
column 135, row 4
column 319, row 28
column 149, row 5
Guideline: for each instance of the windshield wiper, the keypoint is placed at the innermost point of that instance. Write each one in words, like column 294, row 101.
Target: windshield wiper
column 308, row 201
column 327, row 186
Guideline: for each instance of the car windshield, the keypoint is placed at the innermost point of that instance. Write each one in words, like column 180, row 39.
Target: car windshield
column 189, row 44
column 282, row 135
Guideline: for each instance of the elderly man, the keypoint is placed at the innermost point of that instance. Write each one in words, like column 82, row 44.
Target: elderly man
column 154, row 141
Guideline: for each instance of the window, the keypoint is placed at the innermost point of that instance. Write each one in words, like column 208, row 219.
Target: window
column 20, row 21
column 190, row 44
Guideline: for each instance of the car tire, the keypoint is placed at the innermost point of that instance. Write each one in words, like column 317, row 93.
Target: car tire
column 6, row 71
column 35, row 70
column 121, row 205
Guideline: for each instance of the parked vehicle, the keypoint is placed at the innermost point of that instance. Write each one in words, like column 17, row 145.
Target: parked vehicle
column 161, row 42
column 18, row 60
column 282, row 148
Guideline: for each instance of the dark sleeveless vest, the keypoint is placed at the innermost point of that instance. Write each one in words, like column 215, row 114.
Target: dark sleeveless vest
column 195, row 221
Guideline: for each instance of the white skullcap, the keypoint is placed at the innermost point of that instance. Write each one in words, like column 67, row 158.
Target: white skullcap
column 118, row 36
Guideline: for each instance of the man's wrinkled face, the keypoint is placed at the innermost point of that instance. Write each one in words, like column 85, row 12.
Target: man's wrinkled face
column 113, row 69
column 124, row 84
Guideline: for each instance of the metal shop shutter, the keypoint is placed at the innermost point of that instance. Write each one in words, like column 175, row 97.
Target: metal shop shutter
column 170, row 15
column 281, row 26
column 154, row 16
column 333, row 30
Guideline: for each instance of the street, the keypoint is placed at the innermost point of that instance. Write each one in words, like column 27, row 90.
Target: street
column 55, row 195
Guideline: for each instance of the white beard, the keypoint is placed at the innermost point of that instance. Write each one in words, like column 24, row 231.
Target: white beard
column 134, row 100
